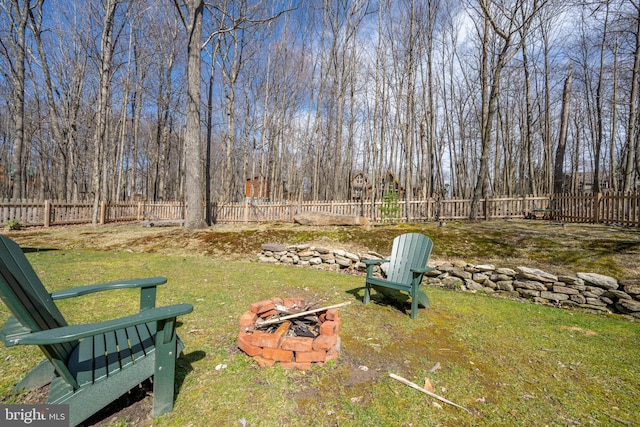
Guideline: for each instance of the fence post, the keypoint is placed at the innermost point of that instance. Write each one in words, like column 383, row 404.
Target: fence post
column 47, row 213
column 596, row 208
column 103, row 213
column 139, row 215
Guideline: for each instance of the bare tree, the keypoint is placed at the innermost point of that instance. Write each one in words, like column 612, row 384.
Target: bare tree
column 558, row 174
column 103, row 105
column 631, row 142
column 191, row 12
column 14, row 47
column 507, row 21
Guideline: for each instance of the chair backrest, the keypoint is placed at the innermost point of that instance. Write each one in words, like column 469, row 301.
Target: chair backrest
column 411, row 250
column 26, row 297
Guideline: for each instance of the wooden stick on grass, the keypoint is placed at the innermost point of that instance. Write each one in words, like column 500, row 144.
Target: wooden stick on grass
column 417, row 387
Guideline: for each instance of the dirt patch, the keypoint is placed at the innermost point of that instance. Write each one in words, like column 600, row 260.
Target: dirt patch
column 131, row 410
column 587, row 332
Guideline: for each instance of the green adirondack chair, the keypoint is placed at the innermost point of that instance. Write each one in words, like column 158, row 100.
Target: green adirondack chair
column 91, row 365
column 407, row 265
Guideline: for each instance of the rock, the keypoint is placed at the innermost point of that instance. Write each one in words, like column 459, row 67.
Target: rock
column 594, row 290
column 343, row 262
column 599, row 280
column 268, row 259
column 339, row 252
column 486, row 267
column 315, row 261
column 352, row 257
column 328, row 258
column 384, row 267
column 505, row 285
column 325, row 218
column 474, row 286
column 578, row 299
column 529, row 284
column 570, row 280
column 615, row 293
column 554, row 296
column 451, row 281
column 596, row 302
column 458, row 263
column 602, row 308
column 274, row 247
column 565, row 290
column 490, row 284
column 461, row 274
column 506, row 271
column 632, row 289
column 528, row 293
column 606, row 300
column 445, row 267
column 628, row 306
column 480, row 277
column 536, row 274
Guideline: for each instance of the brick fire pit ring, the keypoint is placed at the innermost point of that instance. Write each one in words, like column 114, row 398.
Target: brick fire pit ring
column 284, row 344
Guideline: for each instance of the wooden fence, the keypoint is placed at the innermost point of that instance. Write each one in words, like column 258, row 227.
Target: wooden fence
column 623, row 209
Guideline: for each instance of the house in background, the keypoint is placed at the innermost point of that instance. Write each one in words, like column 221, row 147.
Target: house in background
column 390, row 183
column 361, row 187
column 256, row 189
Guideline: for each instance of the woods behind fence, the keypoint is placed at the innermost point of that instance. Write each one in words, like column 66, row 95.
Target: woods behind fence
column 614, row 208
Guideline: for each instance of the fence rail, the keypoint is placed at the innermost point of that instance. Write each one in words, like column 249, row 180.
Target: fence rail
column 614, row 208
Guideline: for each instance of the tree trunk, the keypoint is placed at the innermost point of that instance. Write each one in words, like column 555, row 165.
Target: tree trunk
column 18, row 49
column 102, row 113
column 631, row 140
column 193, row 153
column 558, row 171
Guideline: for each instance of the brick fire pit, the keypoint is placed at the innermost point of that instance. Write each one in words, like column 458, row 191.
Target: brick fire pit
column 293, row 343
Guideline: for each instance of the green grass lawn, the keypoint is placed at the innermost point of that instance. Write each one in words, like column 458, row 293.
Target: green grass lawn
column 509, row 363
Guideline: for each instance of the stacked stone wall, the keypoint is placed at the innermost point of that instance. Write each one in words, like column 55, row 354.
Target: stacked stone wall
column 583, row 290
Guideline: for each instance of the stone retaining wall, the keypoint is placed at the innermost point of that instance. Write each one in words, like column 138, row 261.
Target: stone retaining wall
column 584, row 290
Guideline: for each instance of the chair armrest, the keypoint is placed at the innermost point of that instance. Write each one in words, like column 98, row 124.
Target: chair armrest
column 422, row 270
column 76, row 332
column 124, row 284
column 368, row 262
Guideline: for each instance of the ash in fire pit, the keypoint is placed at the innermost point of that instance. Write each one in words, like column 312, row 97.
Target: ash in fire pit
column 290, row 332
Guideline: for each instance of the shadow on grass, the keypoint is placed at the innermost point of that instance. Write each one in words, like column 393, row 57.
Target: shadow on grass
column 33, row 250
column 136, row 406
column 397, row 300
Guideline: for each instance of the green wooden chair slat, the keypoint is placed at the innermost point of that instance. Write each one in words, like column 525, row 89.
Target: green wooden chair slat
column 112, row 352
column 81, row 362
column 124, row 349
column 99, row 358
column 89, row 366
column 407, row 265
